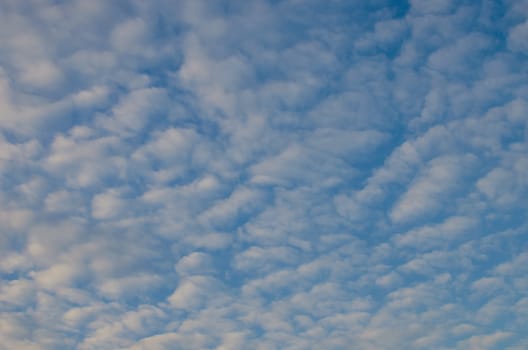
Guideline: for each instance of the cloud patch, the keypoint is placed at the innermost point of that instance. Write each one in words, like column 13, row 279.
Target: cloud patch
column 263, row 174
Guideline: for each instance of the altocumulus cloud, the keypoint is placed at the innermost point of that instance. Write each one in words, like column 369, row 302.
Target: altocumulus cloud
column 263, row 174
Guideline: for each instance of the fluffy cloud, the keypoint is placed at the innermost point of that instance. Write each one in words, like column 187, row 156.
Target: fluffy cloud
column 263, row 174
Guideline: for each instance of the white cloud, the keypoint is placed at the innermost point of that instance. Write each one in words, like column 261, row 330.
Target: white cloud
column 242, row 201
column 135, row 110
column 196, row 263
column 257, row 258
column 63, row 201
column 84, row 162
column 168, row 340
column 486, row 341
column 517, row 38
column 263, row 174
column 130, row 36
column 108, row 204
column 56, row 276
column 193, row 292
column 41, row 74
column 17, row 293
column 455, row 58
column 94, row 96
column 453, row 229
column 428, row 193
column 129, row 286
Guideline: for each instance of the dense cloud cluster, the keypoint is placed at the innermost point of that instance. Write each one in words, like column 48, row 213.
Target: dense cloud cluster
column 263, row 174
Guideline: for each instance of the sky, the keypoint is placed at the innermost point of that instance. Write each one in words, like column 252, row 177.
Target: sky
column 263, row 174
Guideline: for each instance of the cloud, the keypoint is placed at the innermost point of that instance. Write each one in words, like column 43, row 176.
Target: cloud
column 487, row 341
column 133, row 111
column 452, row 229
column 195, row 263
column 194, row 292
column 424, row 196
column 517, row 38
column 107, row 205
column 263, row 174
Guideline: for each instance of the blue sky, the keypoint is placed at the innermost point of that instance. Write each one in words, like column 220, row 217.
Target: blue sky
column 289, row 174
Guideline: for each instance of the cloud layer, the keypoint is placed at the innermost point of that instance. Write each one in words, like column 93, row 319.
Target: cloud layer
column 263, row 175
